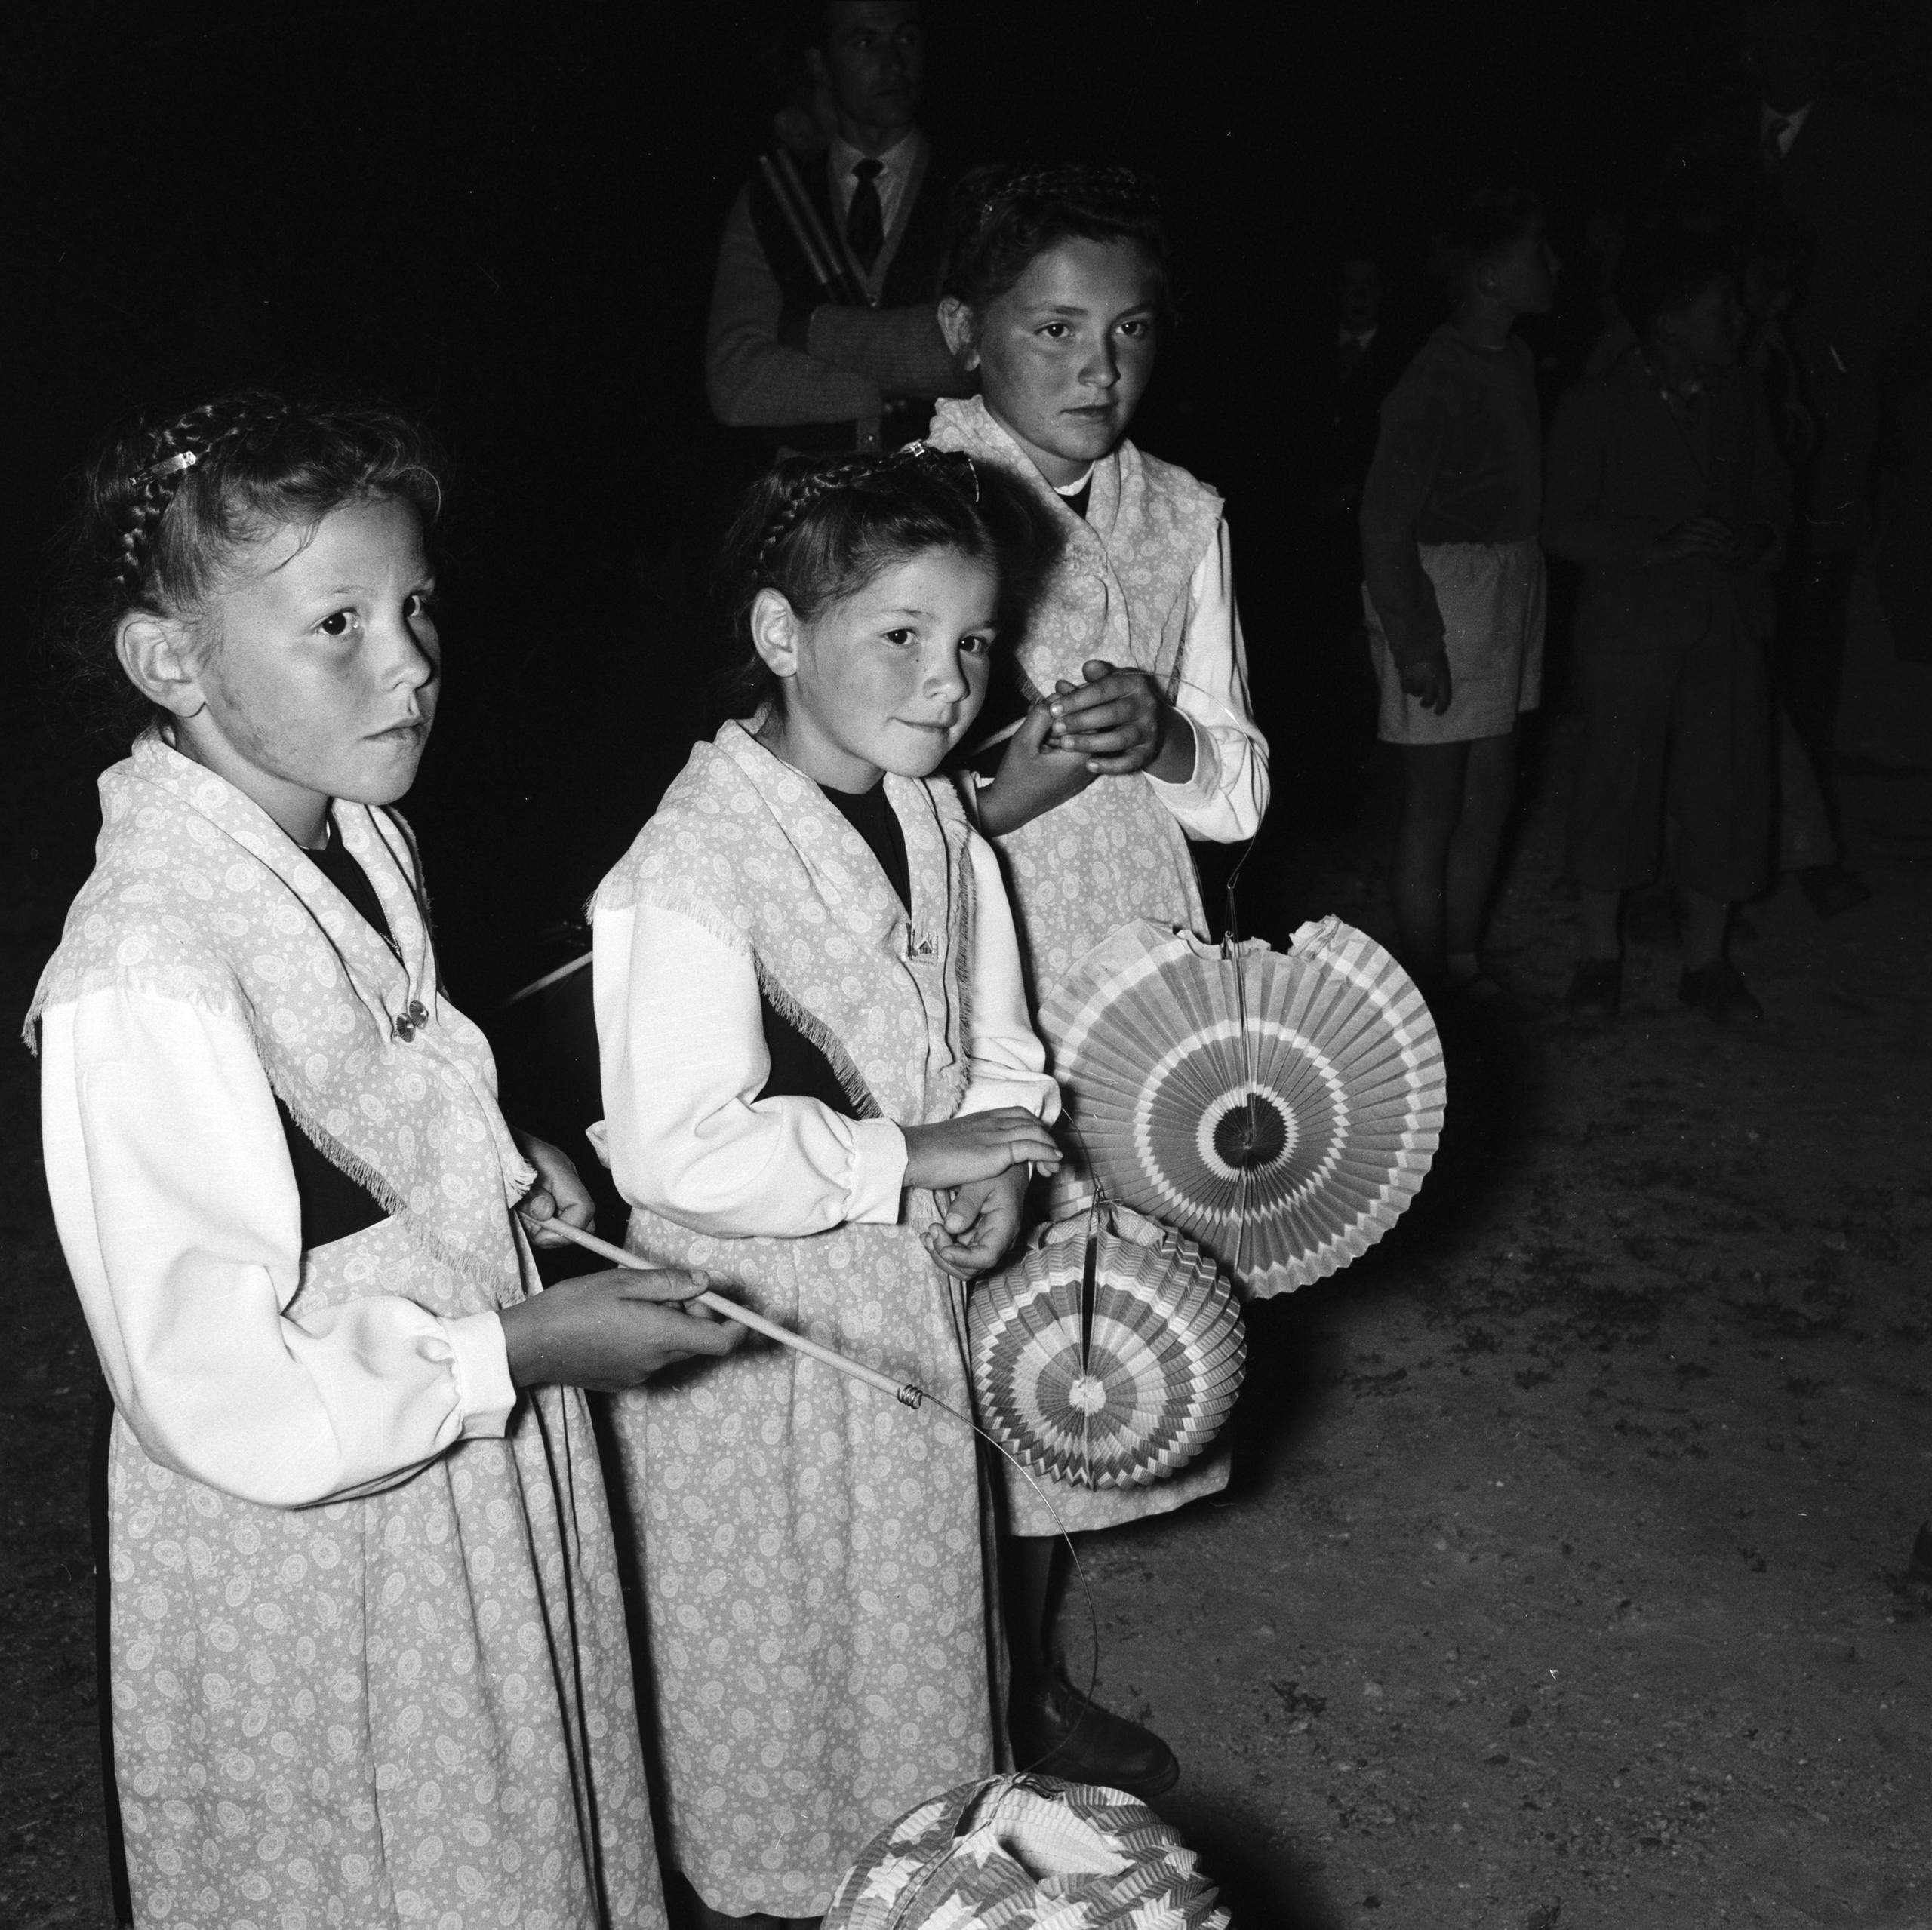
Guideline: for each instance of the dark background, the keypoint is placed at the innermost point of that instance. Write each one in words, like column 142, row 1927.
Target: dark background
column 507, row 219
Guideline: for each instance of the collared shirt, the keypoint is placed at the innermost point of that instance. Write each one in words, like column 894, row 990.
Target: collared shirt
column 1349, row 338
column 895, row 174
column 1794, row 125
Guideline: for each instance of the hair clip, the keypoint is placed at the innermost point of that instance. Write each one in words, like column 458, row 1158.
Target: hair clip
column 186, row 460
column 919, row 451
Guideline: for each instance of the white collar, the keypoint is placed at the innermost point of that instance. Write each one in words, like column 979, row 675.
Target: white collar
column 897, row 159
column 1794, row 123
column 1075, row 486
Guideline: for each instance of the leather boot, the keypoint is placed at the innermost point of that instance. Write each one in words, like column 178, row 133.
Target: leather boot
column 1058, row 1732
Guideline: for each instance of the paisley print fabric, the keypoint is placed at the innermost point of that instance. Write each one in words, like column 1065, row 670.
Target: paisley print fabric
column 413, row 1707
column 1118, row 591
column 197, row 894
column 1114, row 853
column 814, row 1577
column 749, row 848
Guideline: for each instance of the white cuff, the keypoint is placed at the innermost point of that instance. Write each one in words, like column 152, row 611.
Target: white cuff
column 879, row 1172
column 484, row 1393
column 1200, row 784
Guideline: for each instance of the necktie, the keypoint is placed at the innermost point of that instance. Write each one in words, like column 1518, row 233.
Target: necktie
column 1774, row 143
column 865, row 220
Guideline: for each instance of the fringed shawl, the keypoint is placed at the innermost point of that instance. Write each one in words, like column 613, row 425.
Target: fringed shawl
column 197, row 895
column 750, row 849
column 1118, row 589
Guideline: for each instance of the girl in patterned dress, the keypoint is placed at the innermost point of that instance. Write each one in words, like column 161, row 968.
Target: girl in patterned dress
column 821, row 1087
column 1132, row 731
column 368, row 1658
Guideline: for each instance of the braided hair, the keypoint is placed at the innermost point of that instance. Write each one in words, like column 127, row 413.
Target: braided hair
column 1006, row 216
column 167, row 503
column 818, row 532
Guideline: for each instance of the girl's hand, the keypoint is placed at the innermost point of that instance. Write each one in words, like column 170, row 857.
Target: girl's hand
column 1033, row 778
column 982, row 1221
column 608, row 1331
column 559, row 1194
column 981, row 1146
column 1121, row 723
column 1428, row 681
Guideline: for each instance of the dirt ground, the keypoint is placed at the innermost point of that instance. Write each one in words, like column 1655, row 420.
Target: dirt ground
column 1561, row 1583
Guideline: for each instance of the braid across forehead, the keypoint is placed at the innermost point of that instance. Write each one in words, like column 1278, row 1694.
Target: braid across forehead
column 173, row 449
column 798, row 492
column 168, row 502
column 815, row 533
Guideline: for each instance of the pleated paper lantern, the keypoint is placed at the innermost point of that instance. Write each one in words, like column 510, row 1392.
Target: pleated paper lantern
column 1280, row 1108
column 1110, row 1355
column 1026, row 1852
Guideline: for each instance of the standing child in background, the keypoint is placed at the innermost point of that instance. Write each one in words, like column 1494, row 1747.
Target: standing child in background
column 811, row 1022
column 368, row 1654
column 1136, row 732
column 1665, row 483
column 1454, row 588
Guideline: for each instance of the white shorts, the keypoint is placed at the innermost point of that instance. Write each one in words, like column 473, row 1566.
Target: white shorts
column 1492, row 596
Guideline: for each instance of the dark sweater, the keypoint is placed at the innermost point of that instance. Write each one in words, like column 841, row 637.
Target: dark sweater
column 1460, row 460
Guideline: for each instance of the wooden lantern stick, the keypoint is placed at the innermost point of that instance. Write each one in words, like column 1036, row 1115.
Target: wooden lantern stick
column 729, row 1310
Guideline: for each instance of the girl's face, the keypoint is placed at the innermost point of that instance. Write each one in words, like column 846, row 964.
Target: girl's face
column 1065, row 354
column 315, row 675
column 887, row 679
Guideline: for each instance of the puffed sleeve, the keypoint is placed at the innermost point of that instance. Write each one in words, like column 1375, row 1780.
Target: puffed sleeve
column 1224, row 798
column 177, row 1208
column 681, row 1042
column 1008, row 1063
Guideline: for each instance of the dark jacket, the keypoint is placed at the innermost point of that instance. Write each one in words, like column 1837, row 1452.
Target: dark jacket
column 1622, row 469
column 784, row 367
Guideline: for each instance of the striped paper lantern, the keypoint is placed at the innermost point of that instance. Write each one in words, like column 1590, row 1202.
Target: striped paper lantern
column 1110, row 1355
column 1280, row 1108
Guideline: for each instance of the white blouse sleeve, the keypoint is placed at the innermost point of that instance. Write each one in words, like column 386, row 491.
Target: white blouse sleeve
column 681, row 1042
column 1224, row 798
column 177, row 1208
column 1008, row 1063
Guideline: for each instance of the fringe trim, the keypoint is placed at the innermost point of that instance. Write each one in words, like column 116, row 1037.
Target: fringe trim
column 959, row 957
column 192, row 988
column 728, row 932
column 810, row 1026
column 470, row 1266
column 183, row 984
column 702, row 912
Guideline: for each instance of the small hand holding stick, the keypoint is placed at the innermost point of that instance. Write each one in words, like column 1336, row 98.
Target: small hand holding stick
column 729, row 1310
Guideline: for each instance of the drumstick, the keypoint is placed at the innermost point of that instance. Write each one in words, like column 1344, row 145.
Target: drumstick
column 730, row 1310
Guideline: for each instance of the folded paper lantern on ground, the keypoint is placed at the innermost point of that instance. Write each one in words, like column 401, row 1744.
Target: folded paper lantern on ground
column 1109, row 1355
column 1026, row 1852
column 1280, row 1108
